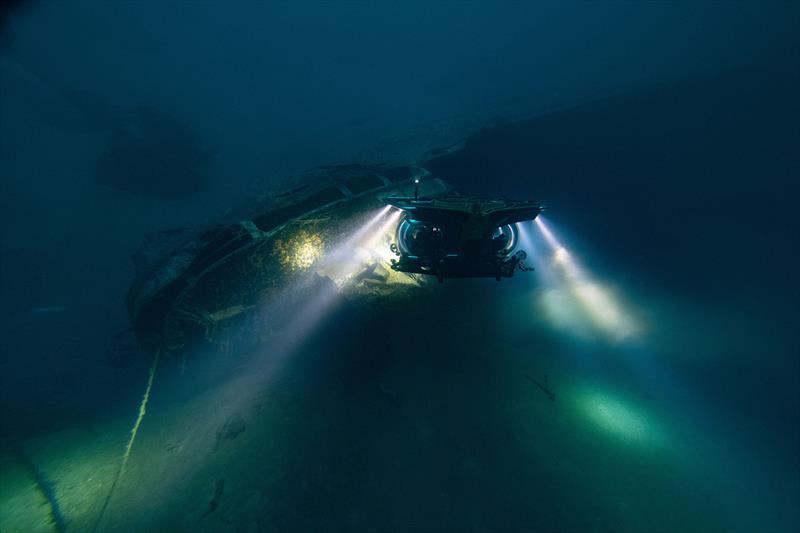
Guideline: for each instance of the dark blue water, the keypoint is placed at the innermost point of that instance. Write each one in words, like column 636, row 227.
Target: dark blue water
column 663, row 139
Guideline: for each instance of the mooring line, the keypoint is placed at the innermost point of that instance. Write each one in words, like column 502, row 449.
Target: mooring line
column 131, row 439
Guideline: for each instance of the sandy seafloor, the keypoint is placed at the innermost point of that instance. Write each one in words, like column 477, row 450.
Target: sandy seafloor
column 419, row 416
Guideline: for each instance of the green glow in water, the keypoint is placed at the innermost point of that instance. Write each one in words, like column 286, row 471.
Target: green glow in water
column 621, row 419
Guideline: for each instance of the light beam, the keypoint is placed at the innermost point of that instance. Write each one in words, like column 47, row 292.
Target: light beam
column 597, row 301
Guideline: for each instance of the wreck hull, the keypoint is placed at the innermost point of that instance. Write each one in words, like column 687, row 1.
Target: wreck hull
column 196, row 283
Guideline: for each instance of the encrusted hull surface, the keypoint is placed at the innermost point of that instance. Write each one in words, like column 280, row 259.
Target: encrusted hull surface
column 197, row 283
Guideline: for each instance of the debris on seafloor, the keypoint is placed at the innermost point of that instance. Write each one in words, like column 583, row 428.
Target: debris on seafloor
column 232, row 428
column 544, row 387
column 219, row 487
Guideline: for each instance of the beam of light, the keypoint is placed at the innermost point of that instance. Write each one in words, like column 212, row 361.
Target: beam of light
column 534, row 251
column 546, row 233
column 317, row 298
column 342, row 252
column 681, row 424
column 366, row 246
column 376, row 245
column 301, row 306
column 311, row 298
column 253, row 379
column 565, row 276
column 362, row 232
column 346, row 246
column 318, row 293
column 525, row 241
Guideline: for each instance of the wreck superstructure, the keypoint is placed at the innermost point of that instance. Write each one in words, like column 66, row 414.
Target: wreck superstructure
column 193, row 283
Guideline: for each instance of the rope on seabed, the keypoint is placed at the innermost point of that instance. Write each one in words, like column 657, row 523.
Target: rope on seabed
column 131, row 439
